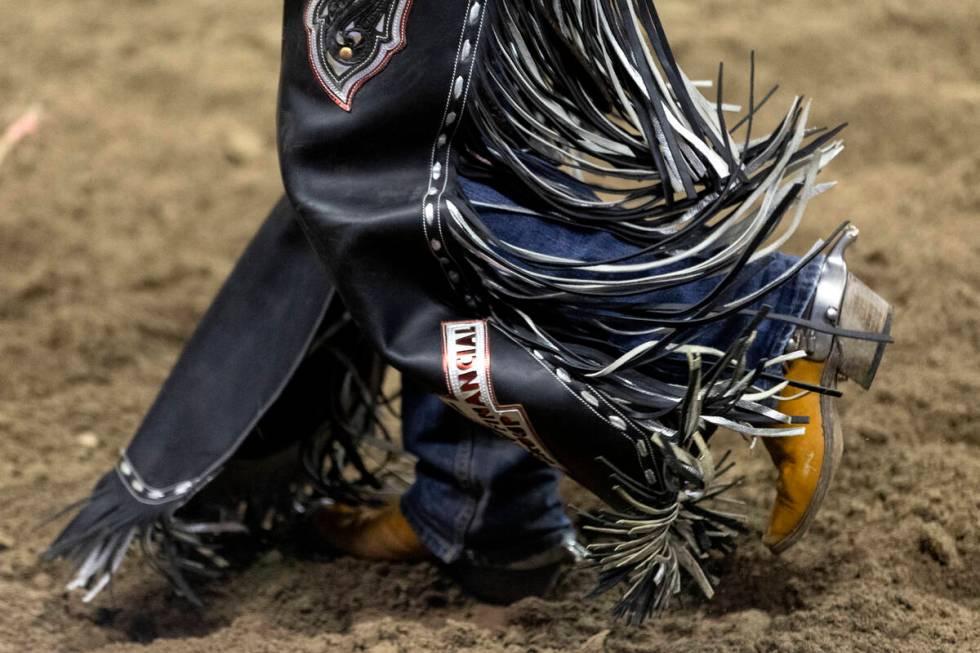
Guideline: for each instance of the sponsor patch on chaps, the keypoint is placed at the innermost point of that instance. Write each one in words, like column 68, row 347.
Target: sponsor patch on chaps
column 351, row 41
column 466, row 359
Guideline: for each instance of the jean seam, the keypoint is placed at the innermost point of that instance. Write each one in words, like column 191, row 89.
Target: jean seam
column 463, row 470
column 435, row 543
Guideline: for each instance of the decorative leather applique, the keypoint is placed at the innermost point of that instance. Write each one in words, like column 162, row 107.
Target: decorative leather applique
column 351, row 41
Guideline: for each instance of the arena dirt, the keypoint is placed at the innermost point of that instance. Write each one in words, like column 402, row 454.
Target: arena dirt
column 154, row 164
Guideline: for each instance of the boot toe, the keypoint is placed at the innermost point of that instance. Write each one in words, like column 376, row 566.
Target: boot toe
column 368, row 533
column 806, row 463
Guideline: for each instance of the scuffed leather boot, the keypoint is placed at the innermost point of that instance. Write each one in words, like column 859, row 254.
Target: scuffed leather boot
column 369, row 533
column 807, row 463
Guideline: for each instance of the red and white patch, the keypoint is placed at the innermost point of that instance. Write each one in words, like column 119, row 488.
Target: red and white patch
column 351, row 41
column 466, row 360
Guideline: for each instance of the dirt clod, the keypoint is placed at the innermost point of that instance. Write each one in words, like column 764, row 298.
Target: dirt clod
column 936, row 541
column 596, row 643
column 88, row 440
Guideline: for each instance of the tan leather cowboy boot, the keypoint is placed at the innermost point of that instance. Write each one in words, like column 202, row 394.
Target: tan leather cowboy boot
column 369, row 533
column 807, row 463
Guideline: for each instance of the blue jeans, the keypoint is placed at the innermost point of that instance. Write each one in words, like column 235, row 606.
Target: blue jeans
column 483, row 499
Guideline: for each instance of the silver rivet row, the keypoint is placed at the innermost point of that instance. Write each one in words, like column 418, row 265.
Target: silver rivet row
column 632, row 431
column 588, row 394
column 443, row 147
column 139, row 487
column 641, row 448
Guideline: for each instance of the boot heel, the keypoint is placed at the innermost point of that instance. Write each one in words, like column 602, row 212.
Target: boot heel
column 862, row 309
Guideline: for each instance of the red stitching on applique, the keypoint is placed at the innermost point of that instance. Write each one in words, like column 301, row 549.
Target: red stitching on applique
column 310, row 51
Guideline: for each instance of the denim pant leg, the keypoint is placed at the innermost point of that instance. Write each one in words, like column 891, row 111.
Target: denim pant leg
column 793, row 298
column 476, row 495
column 521, row 228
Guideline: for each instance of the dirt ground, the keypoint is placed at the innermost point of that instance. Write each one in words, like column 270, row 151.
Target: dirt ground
column 155, row 162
